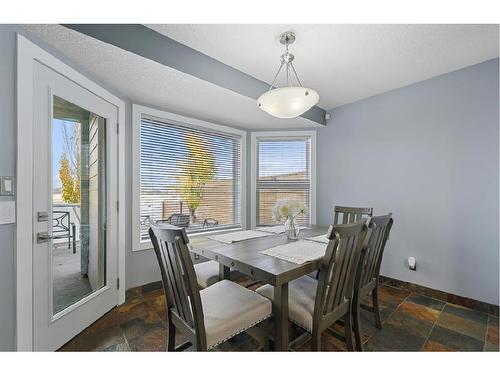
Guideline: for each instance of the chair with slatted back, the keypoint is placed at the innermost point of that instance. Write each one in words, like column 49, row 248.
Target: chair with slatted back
column 346, row 215
column 315, row 305
column 210, row 316
column 208, row 272
column 350, row 215
column 368, row 273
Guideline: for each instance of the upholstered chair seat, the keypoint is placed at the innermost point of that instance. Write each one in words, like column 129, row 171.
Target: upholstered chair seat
column 207, row 273
column 301, row 296
column 229, row 309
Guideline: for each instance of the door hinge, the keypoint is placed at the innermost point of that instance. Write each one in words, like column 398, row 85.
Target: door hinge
column 118, row 283
column 117, row 128
column 117, row 205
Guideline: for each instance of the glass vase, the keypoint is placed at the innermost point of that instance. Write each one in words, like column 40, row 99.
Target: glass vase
column 292, row 228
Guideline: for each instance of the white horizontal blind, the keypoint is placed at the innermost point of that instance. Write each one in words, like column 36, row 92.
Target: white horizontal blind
column 182, row 167
column 283, row 172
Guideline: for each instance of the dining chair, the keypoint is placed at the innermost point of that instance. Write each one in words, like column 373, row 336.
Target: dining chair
column 179, row 220
column 210, row 223
column 315, row 305
column 346, row 215
column 210, row 316
column 208, row 272
column 350, row 214
column 368, row 271
column 63, row 227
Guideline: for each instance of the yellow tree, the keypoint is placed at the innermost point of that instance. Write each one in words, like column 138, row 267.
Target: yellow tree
column 69, row 167
column 70, row 184
column 195, row 171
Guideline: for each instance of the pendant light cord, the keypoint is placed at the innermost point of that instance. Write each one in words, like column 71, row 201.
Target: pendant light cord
column 296, row 75
column 276, row 76
column 288, row 65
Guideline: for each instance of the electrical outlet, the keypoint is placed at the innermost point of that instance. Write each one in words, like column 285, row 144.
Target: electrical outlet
column 412, row 263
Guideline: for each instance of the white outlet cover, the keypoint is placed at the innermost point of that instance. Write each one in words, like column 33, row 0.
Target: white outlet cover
column 7, row 212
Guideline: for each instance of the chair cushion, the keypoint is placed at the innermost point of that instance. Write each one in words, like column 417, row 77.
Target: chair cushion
column 301, row 296
column 229, row 309
column 207, row 273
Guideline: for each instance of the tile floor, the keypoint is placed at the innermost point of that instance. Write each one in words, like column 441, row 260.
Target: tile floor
column 411, row 322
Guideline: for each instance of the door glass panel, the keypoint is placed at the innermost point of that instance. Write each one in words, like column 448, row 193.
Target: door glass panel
column 78, row 203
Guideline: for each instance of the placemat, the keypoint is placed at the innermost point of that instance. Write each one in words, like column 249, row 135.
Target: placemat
column 239, row 236
column 297, row 252
column 321, row 238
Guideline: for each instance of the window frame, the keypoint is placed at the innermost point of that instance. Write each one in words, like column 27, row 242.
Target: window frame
column 175, row 119
column 281, row 135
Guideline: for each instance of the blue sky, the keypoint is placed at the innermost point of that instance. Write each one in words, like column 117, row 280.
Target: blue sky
column 280, row 157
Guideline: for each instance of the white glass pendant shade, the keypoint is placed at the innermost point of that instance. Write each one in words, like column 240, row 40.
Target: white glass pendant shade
column 288, row 102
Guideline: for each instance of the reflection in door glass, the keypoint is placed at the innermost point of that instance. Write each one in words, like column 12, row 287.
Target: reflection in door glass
column 78, row 203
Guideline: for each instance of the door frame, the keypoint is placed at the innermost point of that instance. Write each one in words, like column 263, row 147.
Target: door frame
column 27, row 53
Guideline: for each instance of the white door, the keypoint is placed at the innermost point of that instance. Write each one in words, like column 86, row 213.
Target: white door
column 74, row 208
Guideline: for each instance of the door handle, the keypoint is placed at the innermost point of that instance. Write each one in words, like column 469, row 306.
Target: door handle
column 42, row 216
column 42, row 237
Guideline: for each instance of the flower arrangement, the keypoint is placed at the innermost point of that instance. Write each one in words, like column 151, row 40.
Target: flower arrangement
column 288, row 210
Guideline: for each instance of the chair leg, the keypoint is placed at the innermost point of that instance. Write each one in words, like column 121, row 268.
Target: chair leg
column 357, row 327
column 316, row 341
column 376, row 311
column 264, row 335
column 260, row 332
column 171, row 337
column 348, row 331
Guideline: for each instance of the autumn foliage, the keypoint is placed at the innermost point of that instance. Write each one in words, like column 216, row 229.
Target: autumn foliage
column 196, row 170
column 70, row 187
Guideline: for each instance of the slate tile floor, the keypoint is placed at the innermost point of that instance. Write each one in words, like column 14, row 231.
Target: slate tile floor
column 411, row 322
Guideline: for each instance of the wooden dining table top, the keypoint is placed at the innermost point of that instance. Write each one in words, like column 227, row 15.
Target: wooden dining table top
column 245, row 256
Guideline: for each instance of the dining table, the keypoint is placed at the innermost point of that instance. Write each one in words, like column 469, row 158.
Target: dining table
column 245, row 256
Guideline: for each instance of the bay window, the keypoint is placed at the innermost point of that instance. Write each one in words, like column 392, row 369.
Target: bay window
column 188, row 173
column 283, row 167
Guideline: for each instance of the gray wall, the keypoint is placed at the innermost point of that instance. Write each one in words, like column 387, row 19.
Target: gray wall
column 7, row 167
column 429, row 154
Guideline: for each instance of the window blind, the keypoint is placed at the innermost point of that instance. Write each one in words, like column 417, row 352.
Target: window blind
column 191, row 173
column 283, row 172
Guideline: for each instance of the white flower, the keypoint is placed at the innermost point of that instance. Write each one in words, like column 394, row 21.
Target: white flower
column 284, row 210
column 288, row 209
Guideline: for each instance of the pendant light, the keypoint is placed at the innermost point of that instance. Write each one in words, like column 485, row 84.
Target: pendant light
column 293, row 99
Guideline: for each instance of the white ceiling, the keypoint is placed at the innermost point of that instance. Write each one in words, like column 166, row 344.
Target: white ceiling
column 146, row 82
column 344, row 63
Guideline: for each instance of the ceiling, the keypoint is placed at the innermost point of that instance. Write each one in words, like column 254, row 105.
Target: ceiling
column 344, row 63
column 149, row 83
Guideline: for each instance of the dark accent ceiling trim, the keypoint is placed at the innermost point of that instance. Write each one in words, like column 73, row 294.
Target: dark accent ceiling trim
column 157, row 47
